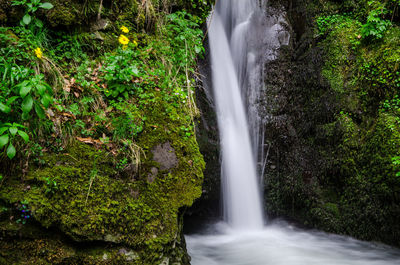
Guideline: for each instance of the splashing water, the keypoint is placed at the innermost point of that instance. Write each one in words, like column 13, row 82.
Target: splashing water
column 282, row 244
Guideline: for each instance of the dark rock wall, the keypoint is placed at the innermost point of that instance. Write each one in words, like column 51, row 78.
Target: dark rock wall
column 329, row 164
column 208, row 207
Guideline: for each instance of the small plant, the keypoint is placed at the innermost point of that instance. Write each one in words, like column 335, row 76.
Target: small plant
column 119, row 72
column 37, row 154
column 8, row 132
column 128, row 121
column 35, row 93
column 31, row 8
column 326, row 23
column 183, row 31
column 396, row 163
column 186, row 131
column 375, row 26
column 93, row 174
column 121, row 69
column 51, row 185
column 122, row 163
column 393, row 104
column 25, row 213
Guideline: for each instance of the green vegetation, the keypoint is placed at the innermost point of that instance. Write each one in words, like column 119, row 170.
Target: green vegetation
column 85, row 107
column 31, row 8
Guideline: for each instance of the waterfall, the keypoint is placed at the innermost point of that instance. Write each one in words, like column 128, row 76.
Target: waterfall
column 242, row 39
column 233, row 70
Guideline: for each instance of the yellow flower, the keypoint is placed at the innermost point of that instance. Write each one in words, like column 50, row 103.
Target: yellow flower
column 38, row 53
column 123, row 39
column 124, row 29
column 135, row 43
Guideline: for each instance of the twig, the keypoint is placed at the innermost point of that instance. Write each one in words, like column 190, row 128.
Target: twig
column 265, row 161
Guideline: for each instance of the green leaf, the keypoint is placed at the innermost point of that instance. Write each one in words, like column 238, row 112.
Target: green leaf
column 27, row 104
column 40, row 111
column 27, row 19
column 5, row 108
column 46, row 5
column 47, row 100
column 24, row 135
column 13, row 130
column 41, row 89
column 24, row 91
column 11, row 100
column 197, row 49
column 3, row 129
column 23, row 83
column 38, row 23
column 18, row 125
column 3, row 140
column 11, row 151
column 25, row 116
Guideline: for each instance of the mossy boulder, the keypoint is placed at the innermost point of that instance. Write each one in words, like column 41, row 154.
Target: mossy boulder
column 80, row 193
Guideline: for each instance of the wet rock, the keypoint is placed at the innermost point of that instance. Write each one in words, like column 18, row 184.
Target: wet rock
column 101, row 24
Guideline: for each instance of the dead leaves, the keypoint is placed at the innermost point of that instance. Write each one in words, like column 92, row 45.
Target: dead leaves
column 111, row 147
column 89, row 140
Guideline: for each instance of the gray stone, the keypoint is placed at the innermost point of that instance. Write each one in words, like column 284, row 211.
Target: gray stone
column 152, row 175
column 165, row 155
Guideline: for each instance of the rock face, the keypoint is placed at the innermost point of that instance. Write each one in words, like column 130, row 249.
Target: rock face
column 329, row 143
column 208, row 206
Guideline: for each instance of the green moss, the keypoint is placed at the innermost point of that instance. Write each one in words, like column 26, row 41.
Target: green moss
column 75, row 189
column 112, row 212
column 65, row 13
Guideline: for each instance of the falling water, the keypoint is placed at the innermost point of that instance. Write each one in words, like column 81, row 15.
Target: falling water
column 241, row 196
column 238, row 52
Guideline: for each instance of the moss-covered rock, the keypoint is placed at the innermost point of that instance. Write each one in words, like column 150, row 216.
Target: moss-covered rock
column 106, row 177
column 334, row 131
column 80, row 193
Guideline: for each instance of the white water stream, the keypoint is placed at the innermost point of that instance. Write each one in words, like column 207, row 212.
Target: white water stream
column 241, row 196
column 243, row 239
